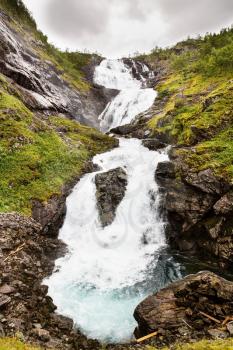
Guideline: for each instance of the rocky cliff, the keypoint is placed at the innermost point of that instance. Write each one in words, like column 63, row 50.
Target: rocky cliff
column 47, row 105
column 193, row 113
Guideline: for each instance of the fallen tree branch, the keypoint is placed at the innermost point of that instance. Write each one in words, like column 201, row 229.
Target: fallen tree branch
column 227, row 319
column 210, row 317
column 15, row 251
column 146, row 337
column 187, row 324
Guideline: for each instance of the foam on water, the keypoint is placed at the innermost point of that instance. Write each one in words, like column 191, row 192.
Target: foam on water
column 132, row 99
column 102, row 279
column 108, row 271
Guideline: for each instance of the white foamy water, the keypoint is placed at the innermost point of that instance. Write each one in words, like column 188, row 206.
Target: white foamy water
column 108, row 271
column 132, row 99
column 100, row 282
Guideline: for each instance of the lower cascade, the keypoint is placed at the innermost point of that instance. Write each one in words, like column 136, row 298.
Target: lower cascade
column 110, row 269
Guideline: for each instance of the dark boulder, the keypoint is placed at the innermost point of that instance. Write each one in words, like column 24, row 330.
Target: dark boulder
column 225, row 204
column 153, row 144
column 179, row 310
column 165, row 170
column 207, row 182
column 110, row 190
column 198, row 209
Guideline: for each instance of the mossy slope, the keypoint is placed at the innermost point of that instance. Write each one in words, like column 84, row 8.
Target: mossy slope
column 39, row 154
column 198, row 90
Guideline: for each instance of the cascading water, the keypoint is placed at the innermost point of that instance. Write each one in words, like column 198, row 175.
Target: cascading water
column 132, row 98
column 108, row 271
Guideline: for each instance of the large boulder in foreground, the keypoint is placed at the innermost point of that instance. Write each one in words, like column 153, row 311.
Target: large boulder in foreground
column 110, row 190
column 192, row 308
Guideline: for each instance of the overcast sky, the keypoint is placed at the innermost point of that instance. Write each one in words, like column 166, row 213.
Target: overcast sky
column 116, row 28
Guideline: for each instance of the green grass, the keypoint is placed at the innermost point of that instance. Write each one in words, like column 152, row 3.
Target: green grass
column 38, row 156
column 199, row 113
column 198, row 91
column 226, row 344
column 17, row 9
column 14, row 344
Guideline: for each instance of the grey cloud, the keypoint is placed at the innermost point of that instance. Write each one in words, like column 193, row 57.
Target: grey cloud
column 187, row 17
column 118, row 27
column 75, row 18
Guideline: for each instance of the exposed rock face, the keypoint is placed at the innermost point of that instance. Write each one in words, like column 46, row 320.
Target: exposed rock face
column 141, row 71
column 153, row 144
column 110, row 190
column 198, row 207
column 26, row 258
column 41, row 83
column 175, row 311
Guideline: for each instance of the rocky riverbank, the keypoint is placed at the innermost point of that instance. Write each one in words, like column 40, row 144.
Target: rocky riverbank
column 43, row 151
column 199, row 306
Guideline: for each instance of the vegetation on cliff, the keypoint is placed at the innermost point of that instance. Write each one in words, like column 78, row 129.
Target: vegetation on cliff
column 70, row 63
column 197, row 92
column 39, row 154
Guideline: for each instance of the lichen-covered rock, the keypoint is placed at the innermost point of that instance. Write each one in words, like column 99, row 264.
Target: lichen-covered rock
column 198, row 208
column 225, row 204
column 177, row 310
column 42, row 85
column 153, row 144
column 110, row 190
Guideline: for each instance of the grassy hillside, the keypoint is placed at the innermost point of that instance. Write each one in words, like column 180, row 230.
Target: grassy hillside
column 197, row 92
column 37, row 154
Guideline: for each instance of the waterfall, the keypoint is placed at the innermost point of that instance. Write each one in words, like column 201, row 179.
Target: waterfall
column 108, row 271
column 132, row 99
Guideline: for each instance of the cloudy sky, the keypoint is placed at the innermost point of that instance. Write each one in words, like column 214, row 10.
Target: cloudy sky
column 116, row 28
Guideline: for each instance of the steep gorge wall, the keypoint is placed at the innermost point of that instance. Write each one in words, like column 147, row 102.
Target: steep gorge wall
column 193, row 113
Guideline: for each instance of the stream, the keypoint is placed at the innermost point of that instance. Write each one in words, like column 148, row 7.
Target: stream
column 108, row 271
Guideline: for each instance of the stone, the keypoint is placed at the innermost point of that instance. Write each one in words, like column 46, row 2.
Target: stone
column 6, row 289
column 165, row 170
column 153, row 144
column 4, row 300
column 207, row 182
column 180, row 304
column 42, row 334
column 110, row 190
column 225, row 204
column 230, row 328
column 217, row 333
column 2, row 333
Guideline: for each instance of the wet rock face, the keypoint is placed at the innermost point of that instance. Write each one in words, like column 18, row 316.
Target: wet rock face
column 41, row 83
column 198, row 208
column 177, row 310
column 153, row 144
column 110, row 190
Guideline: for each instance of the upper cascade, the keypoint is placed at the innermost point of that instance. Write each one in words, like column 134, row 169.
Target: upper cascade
column 114, row 74
column 133, row 98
